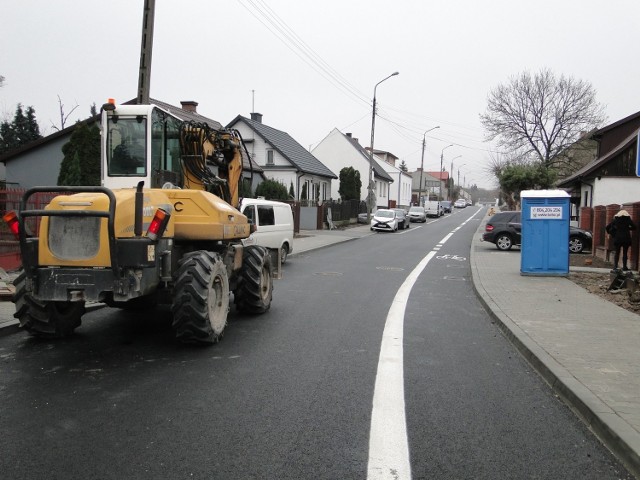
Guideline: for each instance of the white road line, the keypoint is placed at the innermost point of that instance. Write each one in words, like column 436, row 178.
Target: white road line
column 388, row 441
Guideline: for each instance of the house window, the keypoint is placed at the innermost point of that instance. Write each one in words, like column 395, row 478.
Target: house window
column 269, row 157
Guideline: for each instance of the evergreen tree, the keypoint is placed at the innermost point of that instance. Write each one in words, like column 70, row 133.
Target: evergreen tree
column 21, row 130
column 291, row 191
column 350, row 184
column 81, row 162
column 403, row 166
column 245, row 188
column 272, row 190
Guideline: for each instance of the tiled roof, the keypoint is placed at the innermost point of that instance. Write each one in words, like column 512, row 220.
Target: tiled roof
column 183, row 114
column 281, row 141
column 378, row 171
column 444, row 176
column 598, row 162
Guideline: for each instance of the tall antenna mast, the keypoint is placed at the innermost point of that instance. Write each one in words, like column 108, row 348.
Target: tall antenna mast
column 146, row 47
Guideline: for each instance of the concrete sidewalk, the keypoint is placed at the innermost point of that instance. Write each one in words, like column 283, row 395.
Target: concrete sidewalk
column 587, row 349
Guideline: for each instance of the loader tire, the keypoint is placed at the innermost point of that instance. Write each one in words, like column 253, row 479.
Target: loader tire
column 201, row 298
column 255, row 289
column 45, row 319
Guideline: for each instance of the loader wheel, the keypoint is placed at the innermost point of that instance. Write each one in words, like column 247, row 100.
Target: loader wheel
column 201, row 298
column 45, row 319
column 255, row 289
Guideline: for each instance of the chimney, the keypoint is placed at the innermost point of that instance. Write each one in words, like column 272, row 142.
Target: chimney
column 189, row 106
column 256, row 117
column 348, row 135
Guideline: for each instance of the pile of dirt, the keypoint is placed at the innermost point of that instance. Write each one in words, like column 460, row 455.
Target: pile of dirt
column 598, row 283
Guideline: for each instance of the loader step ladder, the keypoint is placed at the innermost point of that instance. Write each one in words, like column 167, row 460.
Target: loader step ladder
column 618, row 282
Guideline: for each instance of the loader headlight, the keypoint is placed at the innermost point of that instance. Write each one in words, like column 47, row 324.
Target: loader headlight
column 159, row 224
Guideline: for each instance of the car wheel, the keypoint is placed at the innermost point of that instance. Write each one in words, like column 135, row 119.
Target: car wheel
column 576, row 245
column 504, row 241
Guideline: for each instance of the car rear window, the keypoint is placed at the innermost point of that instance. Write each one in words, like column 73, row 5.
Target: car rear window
column 506, row 217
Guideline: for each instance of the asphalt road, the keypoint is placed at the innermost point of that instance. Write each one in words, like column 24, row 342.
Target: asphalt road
column 289, row 394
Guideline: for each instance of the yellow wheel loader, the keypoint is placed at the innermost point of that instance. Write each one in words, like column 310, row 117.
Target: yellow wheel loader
column 162, row 228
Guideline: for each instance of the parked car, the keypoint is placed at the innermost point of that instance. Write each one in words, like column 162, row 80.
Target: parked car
column 364, row 217
column 469, row 202
column 446, row 206
column 433, row 209
column 417, row 214
column 384, row 220
column 579, row 240
column 460, row 203
column 504, row 229
column 403, row 220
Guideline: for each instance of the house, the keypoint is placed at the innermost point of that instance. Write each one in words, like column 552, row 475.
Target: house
column 400, row 191
column 38, row 163
column 611, row 178
column 285, row 160
column 443, row 184
column 430, row 188
column 339, row 150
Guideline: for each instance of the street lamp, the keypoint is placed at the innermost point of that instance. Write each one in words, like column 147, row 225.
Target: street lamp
column 459, row 174
column 451, row 180
column 373, row 126
column 422, row 163
column 440, row 174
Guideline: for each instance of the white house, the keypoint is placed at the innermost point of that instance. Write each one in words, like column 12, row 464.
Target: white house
column 400, row 190
column 338, row 150
column 285, row 160
column 611, row 178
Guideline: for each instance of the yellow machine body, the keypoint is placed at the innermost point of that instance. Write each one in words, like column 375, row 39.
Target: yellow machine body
column 84, row 241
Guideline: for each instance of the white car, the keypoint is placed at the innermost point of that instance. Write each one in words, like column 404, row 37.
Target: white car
column 460, row 203
column 384, row 220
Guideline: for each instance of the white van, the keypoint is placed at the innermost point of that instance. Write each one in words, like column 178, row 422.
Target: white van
column 274, row 224
column 433, row 209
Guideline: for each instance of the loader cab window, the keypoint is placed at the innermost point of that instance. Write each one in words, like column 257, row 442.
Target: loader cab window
column 126, row 146
column 250, row 212
column 165, row 150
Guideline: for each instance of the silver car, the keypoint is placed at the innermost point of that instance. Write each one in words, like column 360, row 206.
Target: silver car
column 417, row 214
column 403, row 220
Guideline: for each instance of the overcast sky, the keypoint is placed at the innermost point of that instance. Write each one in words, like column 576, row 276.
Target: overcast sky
column 310, row 67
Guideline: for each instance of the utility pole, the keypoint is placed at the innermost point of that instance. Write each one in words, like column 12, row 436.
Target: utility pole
column 146, row 48
column 424, row 142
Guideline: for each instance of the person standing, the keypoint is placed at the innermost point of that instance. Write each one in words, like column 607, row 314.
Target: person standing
column 620, row 229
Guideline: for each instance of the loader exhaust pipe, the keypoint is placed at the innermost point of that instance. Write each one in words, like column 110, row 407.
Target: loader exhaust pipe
column 139, row 201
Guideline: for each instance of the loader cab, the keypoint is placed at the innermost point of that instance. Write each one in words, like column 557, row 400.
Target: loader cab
column 140, row 142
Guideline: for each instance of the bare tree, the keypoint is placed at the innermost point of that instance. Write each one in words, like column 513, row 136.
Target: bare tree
column 63, row 117
column 1, row 81
column 538, row 116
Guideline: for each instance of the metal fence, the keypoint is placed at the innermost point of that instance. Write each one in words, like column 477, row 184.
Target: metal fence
column 10, row 199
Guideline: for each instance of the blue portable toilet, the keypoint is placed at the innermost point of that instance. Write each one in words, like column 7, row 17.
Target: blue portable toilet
column 545, row 232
